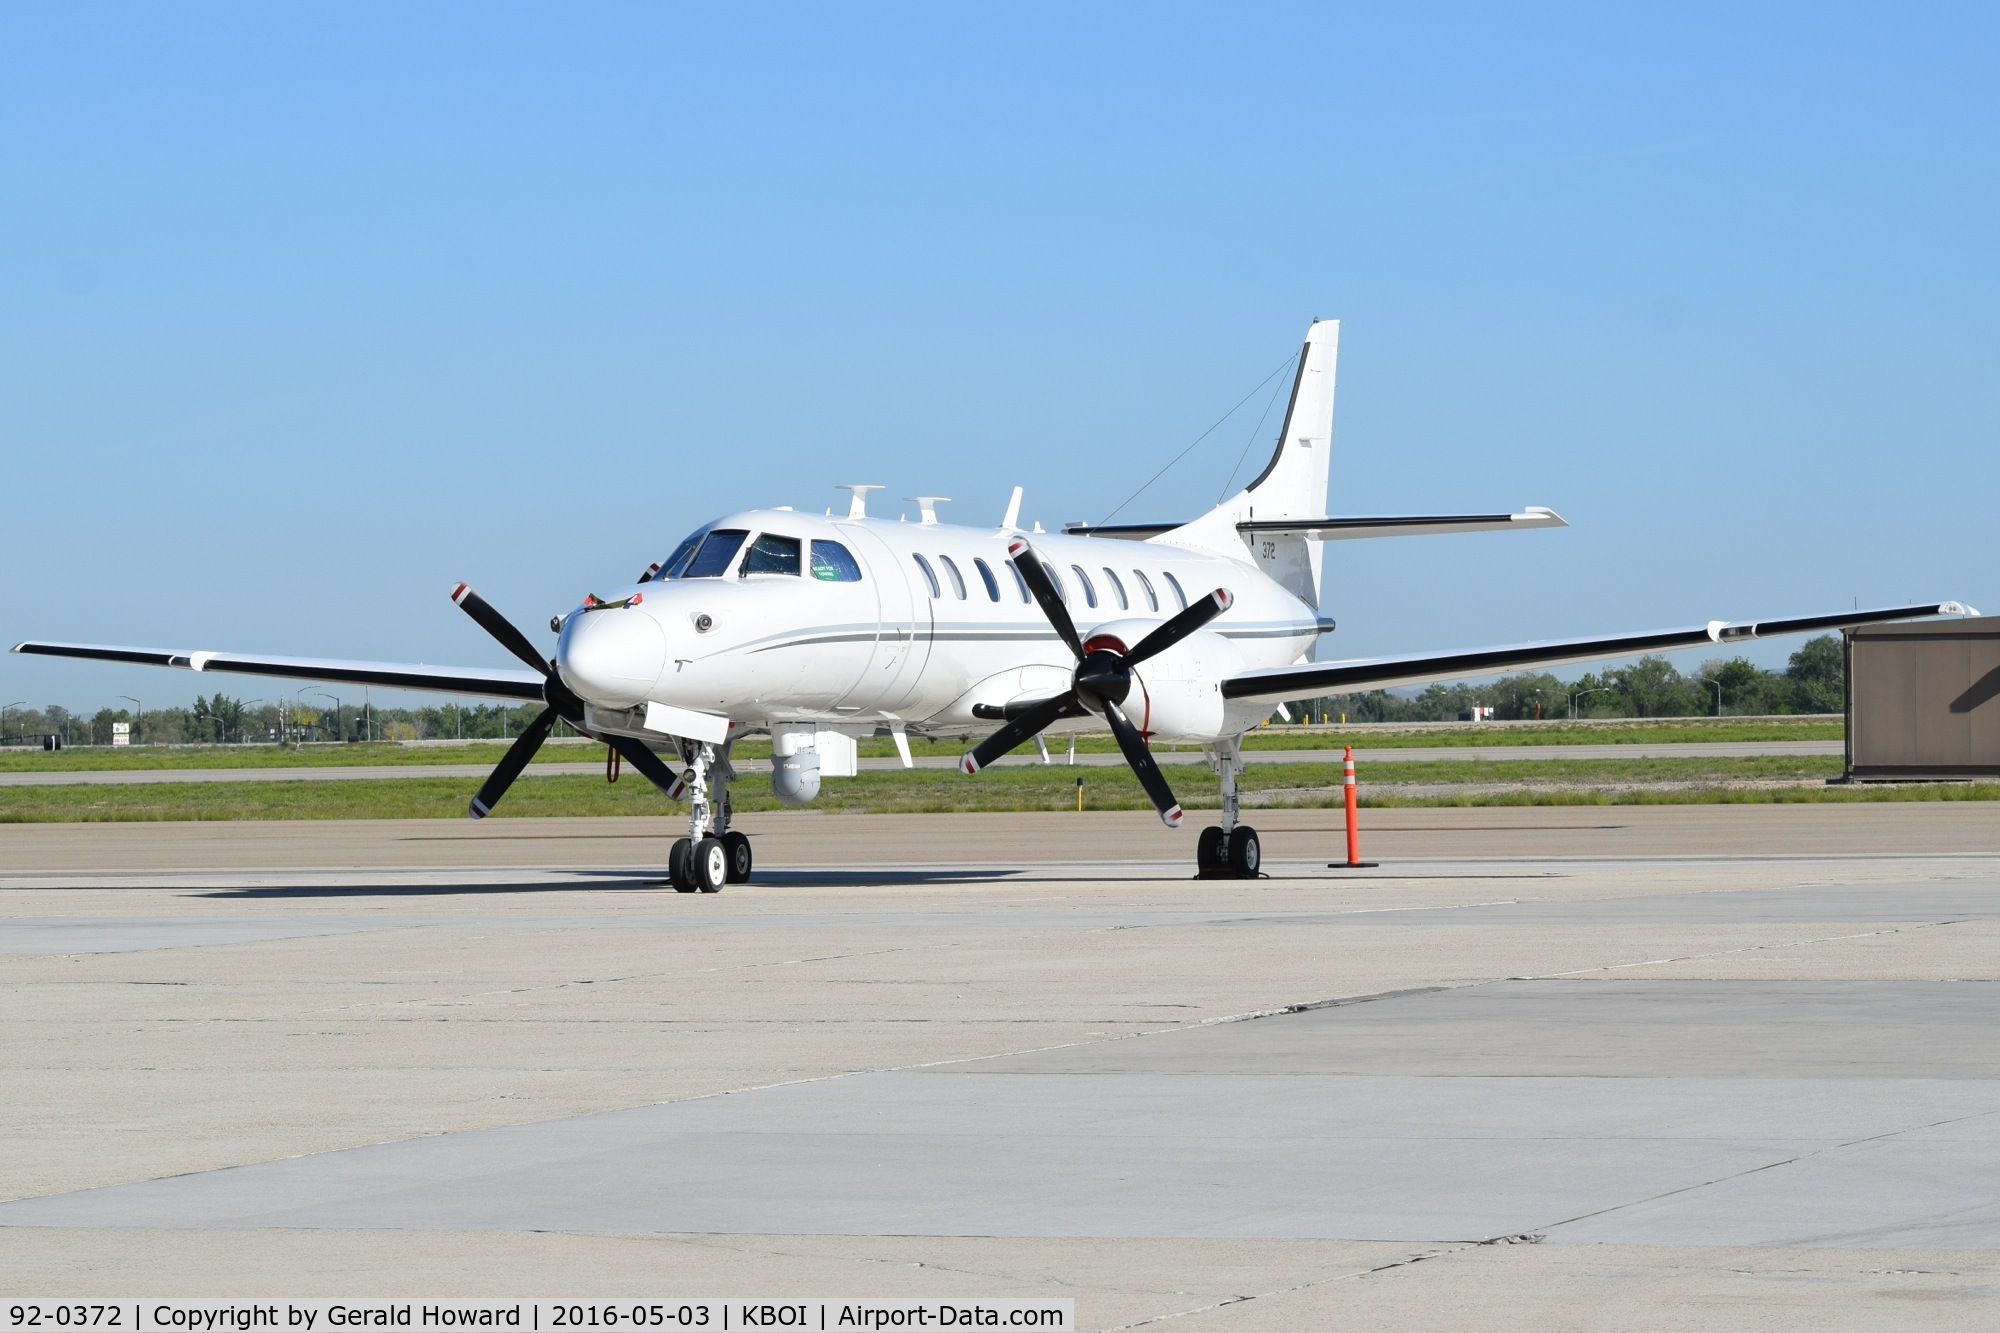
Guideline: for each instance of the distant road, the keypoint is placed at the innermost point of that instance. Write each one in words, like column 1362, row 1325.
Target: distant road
column 1429, row 754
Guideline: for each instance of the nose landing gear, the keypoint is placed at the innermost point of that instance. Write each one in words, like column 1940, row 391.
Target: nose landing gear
column 713, row 854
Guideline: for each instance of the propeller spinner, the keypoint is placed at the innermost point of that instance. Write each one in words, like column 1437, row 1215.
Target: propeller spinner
column 563, row 704
column 1100, row 683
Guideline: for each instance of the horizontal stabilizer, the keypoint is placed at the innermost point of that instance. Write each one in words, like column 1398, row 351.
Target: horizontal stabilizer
column 1378, row 673
column 1339, row 528
column 482, row 682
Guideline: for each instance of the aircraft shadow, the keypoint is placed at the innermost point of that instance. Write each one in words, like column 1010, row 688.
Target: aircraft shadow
column 280, row 891
column 838, row 879
column 793, row 879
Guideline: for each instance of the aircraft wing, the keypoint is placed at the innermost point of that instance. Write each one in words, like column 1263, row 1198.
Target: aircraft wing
column 484, row 682
column 1277, row 684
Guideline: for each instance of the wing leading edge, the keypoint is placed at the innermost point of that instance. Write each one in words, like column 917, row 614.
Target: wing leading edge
column 1277, row 684
column 482, row 682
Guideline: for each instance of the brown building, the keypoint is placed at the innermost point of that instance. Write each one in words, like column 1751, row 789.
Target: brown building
column 1923, row 700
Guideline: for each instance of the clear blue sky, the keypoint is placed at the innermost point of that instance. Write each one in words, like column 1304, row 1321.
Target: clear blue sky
column 310, row 311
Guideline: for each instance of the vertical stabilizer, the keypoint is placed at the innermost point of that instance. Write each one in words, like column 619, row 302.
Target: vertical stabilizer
column 1292, row 485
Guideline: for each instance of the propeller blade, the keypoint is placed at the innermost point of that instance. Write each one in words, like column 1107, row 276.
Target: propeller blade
column 498, row 626
column 510, row 766
column 1036, row 576
column 648, row 763
column 1199, row 613
column 1141, row 759
column 1021, row 729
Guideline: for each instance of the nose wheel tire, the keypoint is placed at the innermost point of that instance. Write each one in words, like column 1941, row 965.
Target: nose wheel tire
column 737, row 847
column 680, row 869
column 710, row 865
column 1211, row 856
column 1245, row 854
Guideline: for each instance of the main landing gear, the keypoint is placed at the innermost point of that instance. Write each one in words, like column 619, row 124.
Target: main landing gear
column 1229, row 850
column 713, row 854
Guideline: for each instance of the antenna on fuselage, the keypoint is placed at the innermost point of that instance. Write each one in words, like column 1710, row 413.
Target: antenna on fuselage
column 1013, row 515
column 927, row 506
column 857, row 507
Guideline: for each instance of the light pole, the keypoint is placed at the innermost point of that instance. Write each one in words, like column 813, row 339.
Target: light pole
column 138, row 716
column 3, row 718
column 1718, row 692
column 1601, row 689
column 246, row 707
column 336, row 711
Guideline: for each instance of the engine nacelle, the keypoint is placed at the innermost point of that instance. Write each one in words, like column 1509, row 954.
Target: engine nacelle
column 1177, row 696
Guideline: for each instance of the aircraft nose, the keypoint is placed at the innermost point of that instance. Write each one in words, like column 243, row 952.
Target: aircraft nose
column 612, row 657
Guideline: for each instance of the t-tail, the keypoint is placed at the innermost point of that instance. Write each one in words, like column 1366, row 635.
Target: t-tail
column 1292, row 484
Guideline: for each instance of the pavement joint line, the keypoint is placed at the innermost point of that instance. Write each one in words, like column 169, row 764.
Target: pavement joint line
column 1747, row 948
column 1772, row 1166
column 1354, row 1275
column 1312, row 1005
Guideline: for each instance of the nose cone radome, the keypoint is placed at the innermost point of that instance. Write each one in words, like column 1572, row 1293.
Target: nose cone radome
column 611, row 658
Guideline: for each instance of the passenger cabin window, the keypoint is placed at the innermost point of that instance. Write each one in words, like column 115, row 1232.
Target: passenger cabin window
column 1145, row 586
column 1089, row 588
column 1175, row 584
column 717, row 550
column 771, row 554
column 834, row 563
column 986, row 577
column 1020, row 582
column 957, row 579
column 930, row 575
column 1056, row 579
column 1124, row 602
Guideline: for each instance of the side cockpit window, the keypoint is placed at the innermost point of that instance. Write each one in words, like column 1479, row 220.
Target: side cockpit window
column 834, row 563
column 771, row 554
column 671, row 567
column 717, row 549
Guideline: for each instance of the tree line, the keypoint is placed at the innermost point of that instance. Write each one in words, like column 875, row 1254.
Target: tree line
column 221, row 720
column 1812, row 682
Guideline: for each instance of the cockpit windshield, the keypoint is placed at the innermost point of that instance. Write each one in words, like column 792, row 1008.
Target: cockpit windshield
column 717, row 549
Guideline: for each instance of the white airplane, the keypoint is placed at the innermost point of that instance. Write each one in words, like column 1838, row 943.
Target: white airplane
column 817, row 630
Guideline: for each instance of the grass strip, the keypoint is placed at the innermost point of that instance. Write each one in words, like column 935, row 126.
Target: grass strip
column 1677, row 732
column 1543, row 782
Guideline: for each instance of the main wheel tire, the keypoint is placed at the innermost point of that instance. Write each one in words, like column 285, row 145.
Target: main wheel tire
column 1209, row 853
column 738, row 847
column 679, row 866
column 710, row 864
column 1245, row 855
